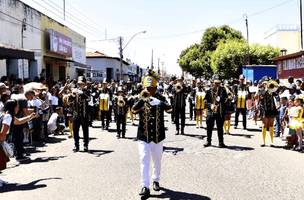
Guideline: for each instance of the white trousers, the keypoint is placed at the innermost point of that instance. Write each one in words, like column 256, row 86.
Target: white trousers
column 146, row 151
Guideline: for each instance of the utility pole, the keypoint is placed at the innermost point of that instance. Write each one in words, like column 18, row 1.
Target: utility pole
column 301, row 24
column 64, row 9
column 248, row 48
column 158, row 67
column 152, row 67
column 120, row 55
column 23, row 28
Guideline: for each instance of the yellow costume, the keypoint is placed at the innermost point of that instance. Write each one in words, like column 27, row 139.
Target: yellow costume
column 200, row 106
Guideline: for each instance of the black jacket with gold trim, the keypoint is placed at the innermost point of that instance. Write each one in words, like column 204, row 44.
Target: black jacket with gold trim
column 151, row 126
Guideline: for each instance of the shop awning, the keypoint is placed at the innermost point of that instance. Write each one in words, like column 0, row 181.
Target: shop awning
column 76, row 64
column 11, row 53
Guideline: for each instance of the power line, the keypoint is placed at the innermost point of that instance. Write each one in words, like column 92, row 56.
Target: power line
column 75, row 18
column 76, row 25
column 81, row 13
column 231, row 22
column 30, row 25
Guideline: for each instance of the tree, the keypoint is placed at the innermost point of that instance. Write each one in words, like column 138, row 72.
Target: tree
column 197, row 58
column 196, row 61
column 214, row 35
column 230, row 55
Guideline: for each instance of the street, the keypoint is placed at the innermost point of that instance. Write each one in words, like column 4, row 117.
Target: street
column 189, row 171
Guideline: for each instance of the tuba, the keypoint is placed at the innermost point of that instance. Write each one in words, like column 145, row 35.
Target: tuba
column 272, row 86
column 178, row 87
column 145, row 94
column 121, row 102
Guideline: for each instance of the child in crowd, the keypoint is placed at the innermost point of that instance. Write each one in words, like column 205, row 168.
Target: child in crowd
column 56, row 122
column 280, row 117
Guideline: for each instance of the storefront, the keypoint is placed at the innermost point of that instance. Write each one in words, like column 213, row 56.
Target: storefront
column 16, row 63
column 63, row 51
column 290, row 65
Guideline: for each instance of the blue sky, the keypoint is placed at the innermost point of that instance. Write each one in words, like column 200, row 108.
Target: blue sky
column 167, row 23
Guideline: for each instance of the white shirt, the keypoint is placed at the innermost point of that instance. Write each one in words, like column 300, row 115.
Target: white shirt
column 1, row 107
column 54, row 100
column 52, row 125
column 7, row 119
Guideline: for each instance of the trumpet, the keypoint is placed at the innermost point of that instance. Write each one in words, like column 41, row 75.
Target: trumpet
column 121, row 102
column 272, row 86
column 178, row 87
column 145, row 94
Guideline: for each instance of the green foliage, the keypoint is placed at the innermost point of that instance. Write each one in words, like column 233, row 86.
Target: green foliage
column 232, row 54
column 223, row 50
column 214, row 35
column 197, row 58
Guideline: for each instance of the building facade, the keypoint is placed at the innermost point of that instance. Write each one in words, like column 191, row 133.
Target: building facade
column 107, row 68
column 20, row 43
column 290, row 65
column 35, row 45
column 286, row 37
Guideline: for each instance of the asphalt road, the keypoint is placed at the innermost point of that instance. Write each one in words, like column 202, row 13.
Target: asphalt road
column 243, row 171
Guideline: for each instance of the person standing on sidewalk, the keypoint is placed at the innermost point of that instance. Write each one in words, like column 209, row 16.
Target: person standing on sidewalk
column 151, row 131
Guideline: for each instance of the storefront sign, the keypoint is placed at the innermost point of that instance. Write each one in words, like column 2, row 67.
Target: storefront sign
column 79, row 54
column 60, row 43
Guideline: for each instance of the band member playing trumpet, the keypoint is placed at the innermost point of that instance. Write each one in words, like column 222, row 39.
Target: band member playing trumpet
column 151, row 131
column 80, row 114
column 215, row 101
column 121, row 110
column 179, row 106
column 268, row 108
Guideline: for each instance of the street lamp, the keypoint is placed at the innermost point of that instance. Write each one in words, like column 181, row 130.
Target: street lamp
column 121, row 48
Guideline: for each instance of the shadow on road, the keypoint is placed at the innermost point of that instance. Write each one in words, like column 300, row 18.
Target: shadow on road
column 99, row 153
column 173, row 150
column 12, row 187
column 176, row 195
column 239, row 148
column 195, row 136
column 32, row 149
column 54, row 140
column 91, row 138
column 241, row 135
column 253, row 129
column 41, row 160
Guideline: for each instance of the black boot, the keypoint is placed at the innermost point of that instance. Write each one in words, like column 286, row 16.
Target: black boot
column 145, row 192
column 156, row 186
column 207, row 144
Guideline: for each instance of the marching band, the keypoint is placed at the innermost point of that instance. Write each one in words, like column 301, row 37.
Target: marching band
column 214, row 99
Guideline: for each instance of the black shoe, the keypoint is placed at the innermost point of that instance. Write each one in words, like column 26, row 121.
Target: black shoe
column 182, row 132
column 222, row 145
column 86, row 149
column 123, row 136
column 144, row 192
column 263, row 145
column 177, row 132
column 272, row 145
column 76, row 149
column 235, row 127
column 156, row 186
column 118, row 136
column 207, row 144
column 22, row 158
